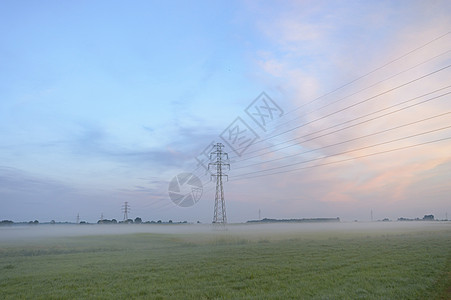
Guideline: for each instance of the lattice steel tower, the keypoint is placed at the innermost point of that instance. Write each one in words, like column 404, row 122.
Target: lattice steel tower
column 125, row 210
column 219, row 216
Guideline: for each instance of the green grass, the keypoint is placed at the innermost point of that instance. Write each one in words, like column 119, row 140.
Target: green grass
column 409, row 265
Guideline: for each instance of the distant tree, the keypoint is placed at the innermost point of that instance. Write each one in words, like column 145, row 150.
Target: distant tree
column 170, row 221
column 428, row 218
column 106, row 221
column 6, row 222
column 138, row 220
column 52, row 222
column 159, row 221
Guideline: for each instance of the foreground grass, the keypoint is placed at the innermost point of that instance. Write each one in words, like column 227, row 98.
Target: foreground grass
column 411, row 265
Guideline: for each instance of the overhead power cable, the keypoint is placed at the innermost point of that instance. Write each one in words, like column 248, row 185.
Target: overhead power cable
column 344, row 142
column 372, row 71
column 346, row 152
column 348, row 121
column 364, row 89
column 347, row 159
column 348, row 107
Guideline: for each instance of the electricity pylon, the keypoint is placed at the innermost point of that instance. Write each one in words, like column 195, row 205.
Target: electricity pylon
column 219, row 216
column 125, row 210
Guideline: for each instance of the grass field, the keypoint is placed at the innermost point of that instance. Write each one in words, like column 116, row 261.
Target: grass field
column 386, row 263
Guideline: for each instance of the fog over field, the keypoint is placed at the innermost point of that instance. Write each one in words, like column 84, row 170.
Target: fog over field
column 24, row 233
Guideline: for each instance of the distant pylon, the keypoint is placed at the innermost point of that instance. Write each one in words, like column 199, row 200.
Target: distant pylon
column 125, row 210
column 219, row 216
column 78, row 218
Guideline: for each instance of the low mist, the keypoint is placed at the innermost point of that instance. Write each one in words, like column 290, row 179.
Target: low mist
column 26, row 233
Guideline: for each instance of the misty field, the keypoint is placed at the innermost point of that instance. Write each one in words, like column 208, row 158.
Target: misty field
column 383, row 263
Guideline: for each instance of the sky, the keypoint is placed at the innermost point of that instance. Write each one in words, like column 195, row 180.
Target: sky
column 103, row 102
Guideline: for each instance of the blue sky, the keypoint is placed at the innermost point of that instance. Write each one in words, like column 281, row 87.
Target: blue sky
column 103, row 102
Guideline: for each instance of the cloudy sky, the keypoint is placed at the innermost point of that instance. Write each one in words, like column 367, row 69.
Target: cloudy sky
column 103, row 102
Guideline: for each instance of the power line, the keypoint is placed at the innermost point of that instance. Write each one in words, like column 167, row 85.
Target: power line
column 346, row 152
column 350, row 106
column 372, row 71
column 368, row 87
column 344, row 142
column 348, row 121
column 348, row 159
